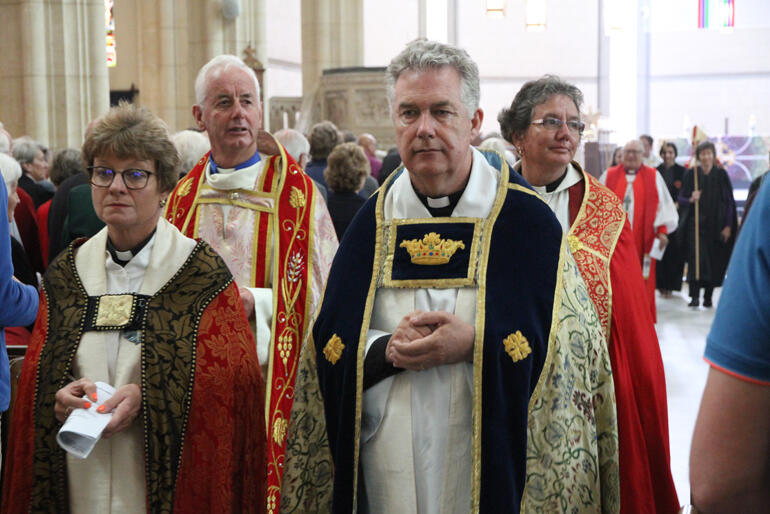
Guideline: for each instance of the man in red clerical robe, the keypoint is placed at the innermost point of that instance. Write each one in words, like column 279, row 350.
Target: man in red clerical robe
column 651, row 211
column 604, row 248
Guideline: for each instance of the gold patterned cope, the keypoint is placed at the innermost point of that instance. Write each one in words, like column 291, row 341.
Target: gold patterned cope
column 592, row 239
column 431, row 250
column 114, row 310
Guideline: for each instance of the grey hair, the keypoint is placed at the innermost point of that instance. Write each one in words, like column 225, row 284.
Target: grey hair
column 295, row 143
column 66, row 163
column 421, row 55
column 25, row 149
column 191, row 145
column 10, row 169
column 515, row 120
column 214, row 68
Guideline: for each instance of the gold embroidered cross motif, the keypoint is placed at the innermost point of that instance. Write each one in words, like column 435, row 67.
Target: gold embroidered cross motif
column 574, row 244
column 517, row 346
column 114, row 310
column 279, row 430
column 333, row 349
column 431, row 250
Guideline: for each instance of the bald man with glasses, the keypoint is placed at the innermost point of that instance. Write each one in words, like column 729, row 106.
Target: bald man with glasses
column 651, row 211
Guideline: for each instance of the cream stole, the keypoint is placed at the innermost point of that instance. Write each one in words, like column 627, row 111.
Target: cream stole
column 112, row 478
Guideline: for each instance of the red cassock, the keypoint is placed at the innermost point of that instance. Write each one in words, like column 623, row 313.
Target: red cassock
column 645, row 207
column 606, row 253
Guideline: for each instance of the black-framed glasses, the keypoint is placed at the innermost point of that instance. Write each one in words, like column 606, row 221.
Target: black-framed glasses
column 554, row 124
column 102, row 176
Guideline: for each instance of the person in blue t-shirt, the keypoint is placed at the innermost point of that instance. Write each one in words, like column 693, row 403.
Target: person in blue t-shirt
column 730, row 455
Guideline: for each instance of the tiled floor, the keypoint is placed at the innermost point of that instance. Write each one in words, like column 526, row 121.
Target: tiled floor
column 682, row 334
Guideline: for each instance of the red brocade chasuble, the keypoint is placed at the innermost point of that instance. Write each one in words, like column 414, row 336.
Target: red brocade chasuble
column 220, row 466
column 290, row 223
column 604, row 248
column 645, row 207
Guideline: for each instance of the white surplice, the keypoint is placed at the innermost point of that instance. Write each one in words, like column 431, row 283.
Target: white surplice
column 417, row 425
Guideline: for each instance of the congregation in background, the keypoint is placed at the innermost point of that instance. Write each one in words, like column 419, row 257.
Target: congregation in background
column 313, row 323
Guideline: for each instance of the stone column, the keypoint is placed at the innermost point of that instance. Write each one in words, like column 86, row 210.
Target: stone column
column 53, row 68
column 332, row 37
column 176, row 38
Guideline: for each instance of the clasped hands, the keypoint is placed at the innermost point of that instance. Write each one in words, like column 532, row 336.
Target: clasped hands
column 124, row 404
column 427, row 339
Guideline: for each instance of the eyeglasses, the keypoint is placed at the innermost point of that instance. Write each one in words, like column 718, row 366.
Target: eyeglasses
column 554, row 124
column 101, row 176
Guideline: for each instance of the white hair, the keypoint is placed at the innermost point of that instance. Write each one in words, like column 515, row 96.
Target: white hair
column 422, row 55
column 5, row 140
column 214, row 68
column 11, row 170
column 191, row 145
column 294, row 142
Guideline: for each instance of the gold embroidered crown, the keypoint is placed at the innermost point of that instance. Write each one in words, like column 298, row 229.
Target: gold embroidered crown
column 431, row 250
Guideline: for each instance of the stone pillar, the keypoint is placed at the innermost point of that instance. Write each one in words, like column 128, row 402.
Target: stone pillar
column 332, row 37
column 53, row 69
column 176, row 38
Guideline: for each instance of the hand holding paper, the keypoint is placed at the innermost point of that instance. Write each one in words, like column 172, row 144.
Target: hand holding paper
column 83, row 428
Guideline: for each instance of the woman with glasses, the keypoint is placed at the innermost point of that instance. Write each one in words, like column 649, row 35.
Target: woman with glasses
column 544, row 124
column 158, row 317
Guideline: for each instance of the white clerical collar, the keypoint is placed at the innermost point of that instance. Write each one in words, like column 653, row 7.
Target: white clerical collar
column 438, row 202
column 476, row 201
column 571, row 177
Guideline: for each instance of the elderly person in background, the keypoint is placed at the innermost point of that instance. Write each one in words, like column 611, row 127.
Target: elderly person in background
column 497, row 144
column 192, row 146
column 544, row 124
column 668, row 275
column 34, row 168
column 66, row 163
column 324, row 136
column 651, row 212
column 167, row 331
column 296, row 144
column 298, row 147
column 19, row 301
column 709, row 252
column 22, row 266
column 346, row 173
column 369, row 144
column 6, row 142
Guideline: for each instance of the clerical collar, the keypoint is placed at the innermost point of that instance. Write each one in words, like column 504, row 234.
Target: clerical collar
column 550, row 188
column 214, row 168
column 121, row 258
column 631, row 172
column 442, row 206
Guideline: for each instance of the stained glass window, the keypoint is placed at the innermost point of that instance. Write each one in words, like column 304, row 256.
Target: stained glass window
column 109, row 22
column 716, row 14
